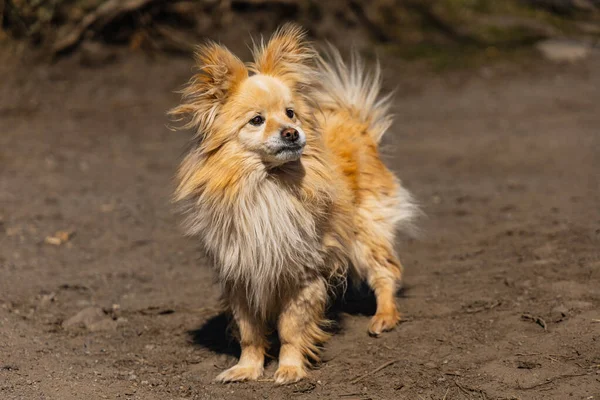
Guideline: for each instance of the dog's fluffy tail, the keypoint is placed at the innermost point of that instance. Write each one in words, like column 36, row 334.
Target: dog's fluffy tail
column 352, row 87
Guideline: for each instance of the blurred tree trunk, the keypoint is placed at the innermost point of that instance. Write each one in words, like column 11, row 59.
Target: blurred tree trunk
column 62, row 25
column 565, row 6
column 1, row 17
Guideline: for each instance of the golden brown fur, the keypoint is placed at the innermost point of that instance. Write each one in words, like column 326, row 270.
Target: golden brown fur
column 283, row 219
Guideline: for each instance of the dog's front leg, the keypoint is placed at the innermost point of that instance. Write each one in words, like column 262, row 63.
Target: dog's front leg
column 300, row 331
column 253, row 344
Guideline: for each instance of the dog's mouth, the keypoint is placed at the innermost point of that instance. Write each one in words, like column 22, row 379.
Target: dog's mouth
column 290, row 149
column 277, row 152
column 289, row 152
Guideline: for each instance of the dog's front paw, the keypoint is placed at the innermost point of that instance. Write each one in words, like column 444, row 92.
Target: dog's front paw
column 239, row 373
column 383, row 322
column 286, row 374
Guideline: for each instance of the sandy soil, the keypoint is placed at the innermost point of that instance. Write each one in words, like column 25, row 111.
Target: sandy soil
column 502, row 291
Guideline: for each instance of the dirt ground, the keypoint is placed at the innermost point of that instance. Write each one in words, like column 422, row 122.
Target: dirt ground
column 502, row 290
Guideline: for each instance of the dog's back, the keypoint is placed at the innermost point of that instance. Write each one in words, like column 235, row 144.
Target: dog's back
column 353, row 121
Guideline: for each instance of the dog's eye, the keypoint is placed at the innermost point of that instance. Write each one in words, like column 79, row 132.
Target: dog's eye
column 290, row 113
column 256, row 121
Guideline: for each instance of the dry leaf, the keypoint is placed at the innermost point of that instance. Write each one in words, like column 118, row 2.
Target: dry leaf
column 59, row 237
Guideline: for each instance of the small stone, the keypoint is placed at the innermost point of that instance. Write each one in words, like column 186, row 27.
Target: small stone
column 104, row 325
column 92, row 318
column 562, row 51
column 46, row 299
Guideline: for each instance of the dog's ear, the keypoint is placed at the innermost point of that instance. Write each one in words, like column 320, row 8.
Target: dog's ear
column 220, row 72
column 287, row 55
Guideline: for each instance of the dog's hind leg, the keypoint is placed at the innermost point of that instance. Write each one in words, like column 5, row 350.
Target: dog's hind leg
column 300, row 331
column 376, row 261
column 383, row 277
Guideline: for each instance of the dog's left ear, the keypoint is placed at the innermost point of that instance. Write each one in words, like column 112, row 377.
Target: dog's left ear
column 287, row 55
column 219, row 73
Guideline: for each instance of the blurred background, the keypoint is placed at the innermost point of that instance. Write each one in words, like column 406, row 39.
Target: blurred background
column 443, row 32
column 496, row 133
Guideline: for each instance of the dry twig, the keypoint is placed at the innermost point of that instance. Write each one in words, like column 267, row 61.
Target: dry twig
column 550, row 380
column 387, row 364
column 446, row 394
column 467, row 390
column 462, row 388
column 471, row 309
column 538, row 320
column 103, row 15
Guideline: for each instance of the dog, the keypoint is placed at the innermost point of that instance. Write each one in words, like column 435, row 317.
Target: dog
column 286, row 190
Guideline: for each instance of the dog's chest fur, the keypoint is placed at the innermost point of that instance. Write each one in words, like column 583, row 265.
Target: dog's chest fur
column 263, row 241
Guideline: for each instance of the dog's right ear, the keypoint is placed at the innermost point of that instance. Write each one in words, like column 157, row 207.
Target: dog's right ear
column 287, row 55
column 220, row 72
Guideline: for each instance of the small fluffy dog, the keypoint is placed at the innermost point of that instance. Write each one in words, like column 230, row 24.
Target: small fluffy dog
column 286, row 189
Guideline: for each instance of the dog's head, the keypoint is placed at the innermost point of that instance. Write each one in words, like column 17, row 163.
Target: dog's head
column 259, row 108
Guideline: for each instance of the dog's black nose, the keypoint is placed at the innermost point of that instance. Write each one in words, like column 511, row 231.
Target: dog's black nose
column 289, row 135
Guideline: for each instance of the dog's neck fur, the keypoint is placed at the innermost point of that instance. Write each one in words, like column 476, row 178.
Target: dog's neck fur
column 263, row 227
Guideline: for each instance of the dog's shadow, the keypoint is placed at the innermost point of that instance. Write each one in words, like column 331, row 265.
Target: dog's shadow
column 216, row 336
